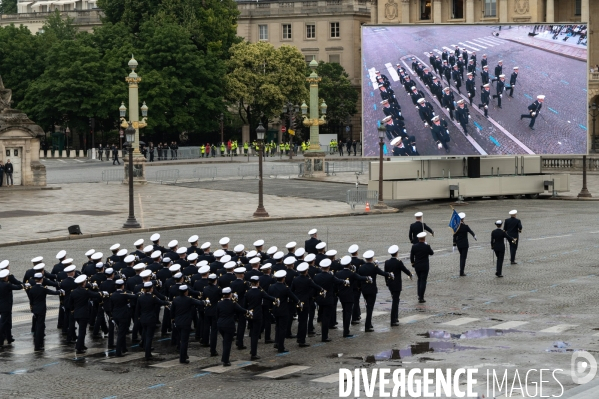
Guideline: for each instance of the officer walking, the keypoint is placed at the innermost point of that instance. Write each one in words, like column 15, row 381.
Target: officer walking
column 37, row 298
column 280, row 291
column 79, row 305
column 449, row 101
column 418, row 227
column 419, row 259
column 6, row 301
column 145, row 311
column 470, row 87
column 120, row 313
column 369, row 290
column 533, row 111
column 253, row 302
column 326, row 301
column 304, row 288
column 346, row 292
column 310, row 245
column 395, row 267
column 513, row 79
column 460, row 240
column 500, row 89
column 441, row 137
column 226, row 310
column 498, row 246
column 513, row 227
column 182, row 310
column 485, row 98
column 462, row 114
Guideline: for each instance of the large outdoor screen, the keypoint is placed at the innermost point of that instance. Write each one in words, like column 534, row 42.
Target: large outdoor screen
column 529, row 99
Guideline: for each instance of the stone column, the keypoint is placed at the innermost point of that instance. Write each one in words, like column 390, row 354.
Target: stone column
column 584, row 11
column 503, row 10
column 550, row 12
column 245, row 134
column 437, row 11
column 469, row 12
column 405, row 11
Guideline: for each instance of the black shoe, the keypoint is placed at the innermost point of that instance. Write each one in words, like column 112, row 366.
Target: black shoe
column 255, row 358
column 532, row 128
column 111, row 346
column 513, row 263
column 38, row 349
column 369, row 330
column 119, row 355
column 395, row 324
column 284, row 351
column 242, row 347
column 327, row 340
column 312, row 334
column 421, row 301
column 303, row 345
column 205, row 345
column 80, row 352
column 333, row 328
column 269, row 341
column 227, row 364
column 291, row 336
column 149, row 357
column 499, row 275
column 463, row 274
column 84, row 347
column 276, row 346
column 184, row 361
column 520, row 117
column 134, row 340
column 11, row 340
column 213, row 354
column 355, row 322
column 499, row 106
column 348, row 336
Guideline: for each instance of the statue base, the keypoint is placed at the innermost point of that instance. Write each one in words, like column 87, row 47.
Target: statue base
column 314, row 164
column 139, row 169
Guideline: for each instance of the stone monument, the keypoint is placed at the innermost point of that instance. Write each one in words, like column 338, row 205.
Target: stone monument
column 20, row 143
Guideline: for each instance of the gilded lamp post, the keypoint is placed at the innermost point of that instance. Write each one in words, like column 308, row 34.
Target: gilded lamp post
column 314, row 157
column 138, row 160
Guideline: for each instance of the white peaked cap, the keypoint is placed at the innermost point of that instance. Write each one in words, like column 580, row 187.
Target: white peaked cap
column 393, row 249
column 255, row 278
column 227, row 290
column 225, row 258
column 346, row 260
column 202, row 263
column 266, row 266
column 239, row 248
column 155, row 254
column 178, row 275
column 193, row 238
column 280, row 274
column 183, row 287
column 395, row 141
column 291, row 244
column 418, row 214
column 278, row 255
column 368, row 254
column 38, row 275
column 120, row 282
column 422, row 234
column 138, row 242
column 148, row 248
column 224, row 240
column 205, row 245
column 289, row 260
column 155, row 237
column 271, row 250
column 4, row 264
column 174, row 268
column 148, row 284
column 254, row 260
column 90, row 252
column 212, row 276
column 39, row 266
column 109, row 271
column 321, row 245
column 182, row 250
column 300, row 252
column 219, row 253
column 331, row 252
column 513, row 212
column 462, row 215
column 325, row 263
column 173, row 244
column 67, row 261
column 352, row 249
column 313, row 231
column 230, row 265
column 69, row 269
column 122, row 252
column 80, row 279
column 139, row 266
column 204, row 269
column 310, row 257
column 37, row 259
column 62, row 254
column 251, row 254
column 303, row 267
column 145, row 273
column 166, row 260
column 4, row 273
column 499, row 222
column 259, row 243
column 97, row 255
column 239, row 270
column 192, row 256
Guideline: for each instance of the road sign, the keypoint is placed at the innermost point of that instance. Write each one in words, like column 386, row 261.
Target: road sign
column 283, row 129
column 292, row 132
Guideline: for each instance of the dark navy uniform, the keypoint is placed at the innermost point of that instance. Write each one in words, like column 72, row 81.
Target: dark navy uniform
column 254, row 298
column 6, row 301
column 226, row 311
column 485, row 99
column 441, row 136
column 460, row 240
column 462, row 114
column 283, row 294
column 210, row 335
column 449, row 102
column 417, row 228
column 513, row 227
column 471, row 89
column 328, row 282
column 396, row 267
column 498, row 245
column 346, row 295
column 120, row 313
column 145, row 311
column 182, row 314
column 369, row 289
column 79, row 305
column 419, row 258
column 533, row 112
column 304, row 288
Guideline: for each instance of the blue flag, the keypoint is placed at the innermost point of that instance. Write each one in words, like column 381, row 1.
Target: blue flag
column 454, row 221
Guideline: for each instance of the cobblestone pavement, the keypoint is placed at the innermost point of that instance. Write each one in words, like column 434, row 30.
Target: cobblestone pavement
column 560, row 129
column 548, row 299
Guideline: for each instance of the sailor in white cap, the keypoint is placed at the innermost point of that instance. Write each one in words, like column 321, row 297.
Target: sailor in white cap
column 500, row 89
column 139, row 244
column 171, row 252
column 37, row 293
column 533, row 111
column 121, row 313
column 254, row 299
column 227, row 278
column 155, row 263
column 513, row 78
column 48, row 279
column 58, row 271
column 155, row 238
column 370, row 269
column 310, row 245
column 254, row 268
column 417, row 227
column 498, row 246
column 194, row 245
column 67, row 284
column 277, row 257
column 396, row 267
column 356, row 263
column 89, row 268
column 460, row 240
column 259, row 245
column 224, row 243
column 145, row 310
column 191, row 267
column 419, row 259
column 206, row 253
column 227, row 311
column 129, row 262
column 271, row 251
column 321, row 247
column 346, row 293
column 239, row 287
column 6, row 302
column 327, row 301
column 304, row 288
column 210, row 328
column 147, row 250
column 290, row 248
column 182, row 252
column 240, row 257
column 280, row 291
column 114, row 249
column 462, row 115
column 79, row 306
column 182, row 312
column 513, row 227
column 59, row 267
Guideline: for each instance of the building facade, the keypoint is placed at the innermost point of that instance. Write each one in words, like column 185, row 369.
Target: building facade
column 84, row 19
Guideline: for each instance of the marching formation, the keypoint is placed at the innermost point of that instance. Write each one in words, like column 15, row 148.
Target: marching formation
column 225, row 292
column 459, row 69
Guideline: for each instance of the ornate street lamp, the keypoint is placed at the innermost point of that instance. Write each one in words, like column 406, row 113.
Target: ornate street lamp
column 260, row 211
column 380, row 203
column 584, row 192
column 131, row 222
column 290, row 109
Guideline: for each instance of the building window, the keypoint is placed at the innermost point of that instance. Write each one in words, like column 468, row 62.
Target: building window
column 425, row 9
column 457, row 9
column 309, row 58
column 335, row 58
column 263, row 32
column 287, row 31
column 67, row 7
column 577, row 8
column 310, row 31
column 490, row 8
column 334, row 29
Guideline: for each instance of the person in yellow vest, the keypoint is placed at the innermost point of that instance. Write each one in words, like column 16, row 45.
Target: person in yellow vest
column 202, row 150
column 245, row 147
column 286, row 145
column 234, row 147
column 222, row 149
column 257, row 147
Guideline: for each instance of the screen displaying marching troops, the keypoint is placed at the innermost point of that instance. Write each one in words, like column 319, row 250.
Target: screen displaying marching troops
column 433, row 90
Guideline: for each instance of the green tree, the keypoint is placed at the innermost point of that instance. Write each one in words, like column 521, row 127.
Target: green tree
column 261, row 78
column 336, row 89
column 57, row 29
column 8, row 6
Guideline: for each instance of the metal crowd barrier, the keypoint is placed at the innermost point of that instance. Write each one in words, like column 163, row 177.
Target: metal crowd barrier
column 113, row 175
column 285, row 170
column 167, row 176
column 361, row 197
column 204, row 173
column 244, row 171
column 332, row 168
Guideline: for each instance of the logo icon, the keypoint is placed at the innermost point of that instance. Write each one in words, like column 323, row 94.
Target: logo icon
column 583, row 367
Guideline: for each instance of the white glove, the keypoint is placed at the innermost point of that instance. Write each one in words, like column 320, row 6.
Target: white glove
column 411, row 275
column 94, row 286
column 346, row 283
column 416, row 107
column 27, row 285
column 475, row 238
column 235, row 296
column 534, row 114
column 440, row 145
column 105, row 293
column 207, row 302
column 486, row 107
column 392, row 276
column 399, row 113
column 369, row 279
column 447, row 109
column 501, row 96
column 453, row 250
column 469, row 117
column 425, row 124
column 61, row 292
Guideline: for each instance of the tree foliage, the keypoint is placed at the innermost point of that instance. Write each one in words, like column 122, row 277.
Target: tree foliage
column 8, row 6
column 336, row 89
column 261, row 78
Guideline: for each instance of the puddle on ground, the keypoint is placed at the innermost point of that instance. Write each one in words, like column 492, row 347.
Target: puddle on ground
column 417, row 349
column 470, row 334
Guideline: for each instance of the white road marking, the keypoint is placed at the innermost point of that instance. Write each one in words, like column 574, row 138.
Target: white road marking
column 466, row 45
column 413, row 318
column 27, row 317
column 509, row 324
column 392, row 72
column 60, row 160
column 329, row 379
column 77, row 160
column 461, row 321
column 127, row 358
column 31, row 350
column 479, row 45
column 222, row 369
column 490, row 44
column 89, row 352
column 545, row 238
column 559, row 328
column 175, row 362
column 438, row 51
column 495, row 40
column 282, row 371
column 372, row 74
column 378, row 313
